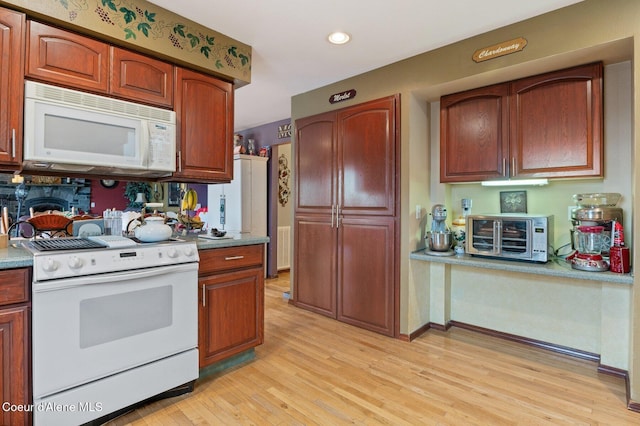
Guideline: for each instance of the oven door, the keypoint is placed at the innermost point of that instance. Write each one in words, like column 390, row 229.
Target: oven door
column 87, row 328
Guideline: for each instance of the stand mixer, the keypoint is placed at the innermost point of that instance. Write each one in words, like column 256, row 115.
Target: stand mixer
column 440, row 236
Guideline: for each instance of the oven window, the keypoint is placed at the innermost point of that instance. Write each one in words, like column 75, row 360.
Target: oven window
column 514, row 236
column 483, row 235
column 109, row 318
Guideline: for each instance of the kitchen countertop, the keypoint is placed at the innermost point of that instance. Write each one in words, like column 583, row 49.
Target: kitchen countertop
column 15, row 256
column 555, row 268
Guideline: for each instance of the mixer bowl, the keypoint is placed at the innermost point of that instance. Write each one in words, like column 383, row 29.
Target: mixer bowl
column 440, row 240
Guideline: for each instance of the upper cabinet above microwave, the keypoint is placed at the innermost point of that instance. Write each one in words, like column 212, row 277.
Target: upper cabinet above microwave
column 548, row 125
column 63, row 57
column 11, row 88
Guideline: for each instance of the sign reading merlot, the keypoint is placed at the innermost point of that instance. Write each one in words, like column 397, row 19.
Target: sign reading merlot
column 342, row 96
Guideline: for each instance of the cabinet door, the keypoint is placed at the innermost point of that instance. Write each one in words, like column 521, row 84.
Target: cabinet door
column 12, row 40
column 556, row 124
column 141, row 78
column 366, row 273
column 314, row 285
column 368, row 158
column 67, row 58
column 204, row 107
column 14, row 363
column 231, row 314
column 316, row 164
column 474, row 132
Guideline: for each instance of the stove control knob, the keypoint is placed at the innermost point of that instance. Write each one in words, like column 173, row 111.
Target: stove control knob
column 75, row 262
column 50, row 265
column 189, row 251
column 172, row 252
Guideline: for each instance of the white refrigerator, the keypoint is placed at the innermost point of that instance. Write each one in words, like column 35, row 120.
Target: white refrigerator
column 241, row 206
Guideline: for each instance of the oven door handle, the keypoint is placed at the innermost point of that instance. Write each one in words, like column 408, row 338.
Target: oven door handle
column 111, row 278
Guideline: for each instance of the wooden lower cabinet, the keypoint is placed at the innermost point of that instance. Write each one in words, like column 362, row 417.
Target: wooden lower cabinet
column 347, row 272
column 366, row 273
column 231, row 297
column 15, row 360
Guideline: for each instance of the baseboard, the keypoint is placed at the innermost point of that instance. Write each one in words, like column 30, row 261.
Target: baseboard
column 531, row 342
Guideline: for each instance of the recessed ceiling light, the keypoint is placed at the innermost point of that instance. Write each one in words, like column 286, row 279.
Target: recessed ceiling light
column 339, row 37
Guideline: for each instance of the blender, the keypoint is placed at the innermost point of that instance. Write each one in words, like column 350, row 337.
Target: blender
column 597, row 209
column 588, row 256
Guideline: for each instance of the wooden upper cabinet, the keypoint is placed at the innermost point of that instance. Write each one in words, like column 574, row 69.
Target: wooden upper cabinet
column 367, row 158
column 545, row 126
column 556, row 124
column 66, row 58
column 12, row 40
column 204, row 109
column 139, row 77
column 316, row 164
column 474, row 134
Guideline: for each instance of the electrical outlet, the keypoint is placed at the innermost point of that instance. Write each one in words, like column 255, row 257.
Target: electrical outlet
column 418, row 211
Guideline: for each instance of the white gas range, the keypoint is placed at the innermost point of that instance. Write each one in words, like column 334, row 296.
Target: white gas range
column 114, row 323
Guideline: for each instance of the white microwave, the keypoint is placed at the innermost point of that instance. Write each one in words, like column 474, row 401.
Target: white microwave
column 70, row 131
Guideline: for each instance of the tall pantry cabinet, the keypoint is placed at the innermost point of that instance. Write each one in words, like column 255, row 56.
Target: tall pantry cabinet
column 346, row 214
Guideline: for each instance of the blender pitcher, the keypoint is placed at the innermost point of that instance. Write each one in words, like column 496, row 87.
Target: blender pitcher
column 589, row 248
column 589, row 239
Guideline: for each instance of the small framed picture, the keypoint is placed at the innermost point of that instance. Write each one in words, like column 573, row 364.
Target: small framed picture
column 513, row 202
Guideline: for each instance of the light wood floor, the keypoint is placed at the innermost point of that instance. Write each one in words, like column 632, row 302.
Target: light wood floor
column 315, row 371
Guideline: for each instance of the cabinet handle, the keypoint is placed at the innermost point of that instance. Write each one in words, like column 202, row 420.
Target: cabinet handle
column 234, row 257
column 504, row 166
column 180, row 161
column 13, row 143
column 513, row 166
column 338, row 216
column 204, row 295
column 332, row 206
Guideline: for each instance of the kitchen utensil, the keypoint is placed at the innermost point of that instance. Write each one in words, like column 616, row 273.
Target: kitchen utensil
column 152, row 230
column 440, row 240
column 589, row 249
column 217, row 233
column 597, row 199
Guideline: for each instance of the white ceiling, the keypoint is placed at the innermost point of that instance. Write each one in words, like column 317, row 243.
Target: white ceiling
column 291, row 55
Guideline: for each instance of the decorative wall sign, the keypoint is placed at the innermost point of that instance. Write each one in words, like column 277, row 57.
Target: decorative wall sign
column 284, row 131
column 283, row 180
column 513, row 202
column 342, row 96
column 500, row 49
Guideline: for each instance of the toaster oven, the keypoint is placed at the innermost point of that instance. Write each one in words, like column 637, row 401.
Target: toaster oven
column 510, row 236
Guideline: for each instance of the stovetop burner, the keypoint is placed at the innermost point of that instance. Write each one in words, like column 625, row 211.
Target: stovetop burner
column 56, row 244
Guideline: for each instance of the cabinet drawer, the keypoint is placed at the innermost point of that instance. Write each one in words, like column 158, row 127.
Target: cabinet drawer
column 223, row 259
column 14, row 286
